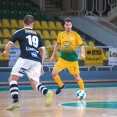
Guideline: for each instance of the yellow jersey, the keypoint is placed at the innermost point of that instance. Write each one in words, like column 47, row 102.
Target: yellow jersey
column 69, row 43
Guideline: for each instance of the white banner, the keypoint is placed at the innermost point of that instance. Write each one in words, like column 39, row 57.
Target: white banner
column 49, row 63
column 13, row 55
column 112, row 56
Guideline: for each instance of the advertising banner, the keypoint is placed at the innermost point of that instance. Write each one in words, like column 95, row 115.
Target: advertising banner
column 13, row 55
column 94, row 57
column 112, row 56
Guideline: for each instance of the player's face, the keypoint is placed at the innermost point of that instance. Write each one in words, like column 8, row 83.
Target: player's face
column 68, row 27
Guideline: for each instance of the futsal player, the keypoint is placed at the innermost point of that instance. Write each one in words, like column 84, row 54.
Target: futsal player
column 29, row 62
column 68, row 41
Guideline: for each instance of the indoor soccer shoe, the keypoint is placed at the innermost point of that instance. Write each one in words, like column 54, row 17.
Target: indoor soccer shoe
column 49, row 97
column 59, row 89
column 13, row 106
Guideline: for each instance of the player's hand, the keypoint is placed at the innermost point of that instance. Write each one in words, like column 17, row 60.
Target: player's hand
column 52, row 59
column 42, row 71
column 5, row 52
column 83, row 56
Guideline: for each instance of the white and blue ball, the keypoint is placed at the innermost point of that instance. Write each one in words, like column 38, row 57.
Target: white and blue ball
column 80, row 94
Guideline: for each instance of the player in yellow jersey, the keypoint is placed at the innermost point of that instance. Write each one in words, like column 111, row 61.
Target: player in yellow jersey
column 68, row 40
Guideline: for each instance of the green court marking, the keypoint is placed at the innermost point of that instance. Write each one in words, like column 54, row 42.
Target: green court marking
column 83, row 104
column 68, row 86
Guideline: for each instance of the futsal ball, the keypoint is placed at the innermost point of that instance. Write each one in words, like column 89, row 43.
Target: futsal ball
column 80, row 94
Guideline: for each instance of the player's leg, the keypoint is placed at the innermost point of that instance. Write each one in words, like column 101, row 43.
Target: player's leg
column 43, row 89
column 18, row 71
column 33, row 74
column 14, row 92
column 59, row 66
column 79, row 81
column 74, row 70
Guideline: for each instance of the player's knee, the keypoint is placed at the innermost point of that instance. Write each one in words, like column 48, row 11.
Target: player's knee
column 54, row 73
column 10, row 79
column 77, row 77
column 13, row 77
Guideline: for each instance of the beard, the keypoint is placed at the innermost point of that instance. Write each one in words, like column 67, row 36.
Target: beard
column 69, row 30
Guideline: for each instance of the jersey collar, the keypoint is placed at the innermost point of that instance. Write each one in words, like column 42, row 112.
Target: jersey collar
column 28, row 27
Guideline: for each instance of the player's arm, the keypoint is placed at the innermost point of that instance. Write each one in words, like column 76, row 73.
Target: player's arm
column 82, row 49
column 42, row 52
column 10, row 43
column 41, row 48
column 7, row 48
column 56, row 47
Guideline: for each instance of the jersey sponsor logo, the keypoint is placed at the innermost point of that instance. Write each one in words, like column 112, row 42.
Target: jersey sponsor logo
column 72, row 38
column 22, row 70
column 34, row 54
column 31, row 49
column 67, row 44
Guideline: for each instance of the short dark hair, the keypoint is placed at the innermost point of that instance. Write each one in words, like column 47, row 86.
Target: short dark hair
column 28, row 19
column 67, row 20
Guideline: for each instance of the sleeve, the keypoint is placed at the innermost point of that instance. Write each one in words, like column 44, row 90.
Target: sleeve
column 14, row 38
column 58, row 39
column 41, row 43
column 79, row 40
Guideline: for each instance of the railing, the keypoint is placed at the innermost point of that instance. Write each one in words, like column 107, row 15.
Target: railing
column 77, row 7
column 63, row 7
column 100, row 20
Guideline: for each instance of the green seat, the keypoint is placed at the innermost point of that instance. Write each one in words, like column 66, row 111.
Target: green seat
column 1, row 14
column 0, row 4
column 27, row 7
column 20, row 14
column 14, row 0
column 28, row 13
column 5, row 14
column 19, row 6
column 35, row 15
column 4, row 5
column 13, row 14
column 12, row 5
column 43, row 16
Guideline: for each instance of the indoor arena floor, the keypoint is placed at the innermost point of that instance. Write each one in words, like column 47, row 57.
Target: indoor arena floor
column 100, row 101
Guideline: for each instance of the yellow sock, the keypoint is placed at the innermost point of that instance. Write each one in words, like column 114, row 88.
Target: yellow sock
column 58, row 80
column 81, row 84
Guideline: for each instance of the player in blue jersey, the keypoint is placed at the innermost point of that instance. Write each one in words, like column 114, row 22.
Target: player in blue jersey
column 29, row 63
